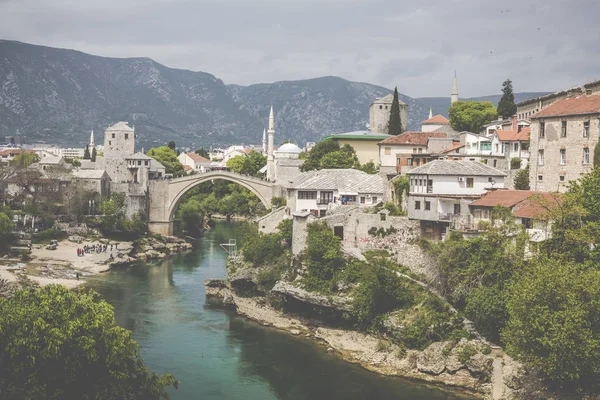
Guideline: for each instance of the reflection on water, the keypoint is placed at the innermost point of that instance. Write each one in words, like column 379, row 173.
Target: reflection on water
column 217, row 355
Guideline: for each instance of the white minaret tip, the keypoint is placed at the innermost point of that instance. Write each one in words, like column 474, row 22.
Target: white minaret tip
column 271, row 120
column 92, row 145
column 430, row 113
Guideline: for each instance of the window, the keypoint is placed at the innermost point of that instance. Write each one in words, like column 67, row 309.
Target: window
column 485, row 146
column 326, row 197
column 469, row 182
column 563, row 129
column 562, row 178
column 146, row 163
column 362, row 200
column 382, row 216
column 386, row 107
column 420, row 150
column 540, row 157
column 586, row 155
column 542, row 130
column 109, row 143
column 516, row 147
column 388, row 151
column 305, row 195
column 374, row 200
column 540, row 178
column 430, row 186
column 381, row 107
column 457, row 209
column 495, row 163
column 126, row 136
column 113, row 135
column 427, row 205
column 496, row 146
column 414, row 149
column 563, row 156
column 417, row 205
column 140, row 163
column 586, row 128
column 490, row 179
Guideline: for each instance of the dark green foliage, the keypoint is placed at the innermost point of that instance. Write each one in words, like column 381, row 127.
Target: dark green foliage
column 466, row 353
column 323, row 257
column 249, row 164
column 506, row 106
column 6, row 226
column 393, row 209
column 190, row 216
column 380, row 291
column 61, row 344
column 382, row 232
column 115, row 225
column 172, row 145
column 278, row 201
column 394, row 124
column 329, row 154
column 260, row 248
column 522, row 179
column 597, row 155
column 94, row 154
column 369, row 168
column 49, row 234
column 203, row 153
column 401, row 186
column 167, row 157
column 86, row 153
column 313, row 160
column 285, row 229
column 471, row 115
column 515, row 163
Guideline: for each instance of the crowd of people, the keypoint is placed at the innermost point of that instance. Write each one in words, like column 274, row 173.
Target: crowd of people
column 95, row 248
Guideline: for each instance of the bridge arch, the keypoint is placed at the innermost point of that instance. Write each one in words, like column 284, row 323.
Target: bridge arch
column 181, row 190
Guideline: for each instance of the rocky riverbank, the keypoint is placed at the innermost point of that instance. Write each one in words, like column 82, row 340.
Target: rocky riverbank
column 469, row 365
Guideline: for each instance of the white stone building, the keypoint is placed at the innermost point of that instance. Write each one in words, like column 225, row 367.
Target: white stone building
column 441, row 190
column 379, row 114
column 196, row 162
column 398, row 154
column 317, row 191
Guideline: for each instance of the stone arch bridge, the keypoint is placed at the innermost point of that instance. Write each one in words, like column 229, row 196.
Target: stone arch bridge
column 164, row 195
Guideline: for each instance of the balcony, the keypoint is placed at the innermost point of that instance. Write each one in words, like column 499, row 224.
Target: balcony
column 324, row 202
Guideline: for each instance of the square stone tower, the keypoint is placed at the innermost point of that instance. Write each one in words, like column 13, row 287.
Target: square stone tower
column 119, row 144
column 379, row 114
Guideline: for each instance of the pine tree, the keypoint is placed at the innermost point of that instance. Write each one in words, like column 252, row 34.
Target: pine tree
column 507, row 107
column 395, row 125
column 86, row 153
column 94, row 154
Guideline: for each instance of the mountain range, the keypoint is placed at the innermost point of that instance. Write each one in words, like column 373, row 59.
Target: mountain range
column 58, row 96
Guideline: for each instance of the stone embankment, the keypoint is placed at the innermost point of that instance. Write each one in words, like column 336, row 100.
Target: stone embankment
column 156, row 248
column 466, row 364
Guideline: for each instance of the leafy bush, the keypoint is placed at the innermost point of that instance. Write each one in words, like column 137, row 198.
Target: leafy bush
column 48, row 235
column 465, row 354
column 278, row 201
column 262, row 248
column 515, row 163
column 323, row 256
column 382, row 232
column 285, row 229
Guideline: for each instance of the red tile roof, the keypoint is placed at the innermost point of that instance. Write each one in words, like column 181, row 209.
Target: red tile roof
column 451, row 149
column 187, row 168
column 514, row 136
column 537, row 206
column 197, row 157
column 413, row 138
column 436, row 120
column 13, row 152
column 572, row 106
column 504, row 198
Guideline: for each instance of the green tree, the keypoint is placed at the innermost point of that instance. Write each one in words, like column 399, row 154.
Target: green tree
column 236, row 164
column 94, row 154
column 522, row 179
column 6, row 227
column 313, row 160
column 253, row 162
column 190, row 217
column 56, row 343
column 285, row 229
column 167, row 157
column 597, row 155
column 323, row 256
column 172, row 145
column 554, row 323
column 86, row 153
column 203, row 153
column 369, row 168
column 471, row 115
column 507, row 107
column 338, row 159
column 25, row 159
column 394, row 124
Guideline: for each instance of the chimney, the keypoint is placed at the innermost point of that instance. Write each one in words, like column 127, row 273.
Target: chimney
column 514, row 123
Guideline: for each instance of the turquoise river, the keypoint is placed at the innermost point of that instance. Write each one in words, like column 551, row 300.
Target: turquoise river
column 218, row 355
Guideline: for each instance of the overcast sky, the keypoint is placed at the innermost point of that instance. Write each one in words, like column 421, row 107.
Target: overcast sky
column 416, row 45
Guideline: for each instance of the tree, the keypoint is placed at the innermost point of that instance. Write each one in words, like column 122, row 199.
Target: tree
column 253, row 162
column 554, row 322
column 597, row 155
column 313, row 161
column 56, row 343
column 369, row 168
column 394, row 124
column 171, row 145
column 323, row 256
column 167, row 157
column 522, row 179
column 471, row 115
column 338, row 159
column 236, row 164
column 86, row 153
column 329, row 154
column 25, row 159
column 94, row 155
column 507, row 107
column 203, row 153
column 6, row 226
column 190, row 217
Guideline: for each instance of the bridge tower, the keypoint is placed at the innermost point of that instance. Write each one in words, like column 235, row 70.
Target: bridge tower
column 270, row 158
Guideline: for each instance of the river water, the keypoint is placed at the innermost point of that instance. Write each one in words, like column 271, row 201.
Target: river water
column 218, row 355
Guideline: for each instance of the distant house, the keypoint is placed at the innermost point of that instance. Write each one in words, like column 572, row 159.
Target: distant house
column 434, row 123
column 365, row 143
column 441, row 190
column 7, row 155
column 195, row 162
column 397, row 154
column 96, row 181
column 317, row 191
column 515, row 144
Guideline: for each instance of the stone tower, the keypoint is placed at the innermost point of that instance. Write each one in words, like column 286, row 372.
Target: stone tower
column 454, row 95
column 379, row 114
column 270, row 158
column 119, row 143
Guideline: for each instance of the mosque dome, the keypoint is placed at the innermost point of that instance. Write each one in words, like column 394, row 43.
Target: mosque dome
column 289, row 148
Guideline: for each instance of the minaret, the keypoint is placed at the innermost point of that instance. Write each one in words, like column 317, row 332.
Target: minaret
column 454, row 95
column 92, row 145
column 430, row 113
column 264, row 142
column 270, row 159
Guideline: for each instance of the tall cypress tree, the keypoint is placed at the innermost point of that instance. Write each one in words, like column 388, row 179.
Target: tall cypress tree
column 395, row 125
column 506, row 106
column 86, row 153
column 94, row 154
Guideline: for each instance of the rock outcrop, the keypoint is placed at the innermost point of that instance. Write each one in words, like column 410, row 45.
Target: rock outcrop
column 152, row 248
column 337, row 302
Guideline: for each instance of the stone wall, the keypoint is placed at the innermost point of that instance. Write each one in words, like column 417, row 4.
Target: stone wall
column 299, row 231
column 269, row 222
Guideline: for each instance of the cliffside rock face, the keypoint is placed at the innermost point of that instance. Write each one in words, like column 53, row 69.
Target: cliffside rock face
column 433, row 359
column 338, row 303
column 154, row 249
